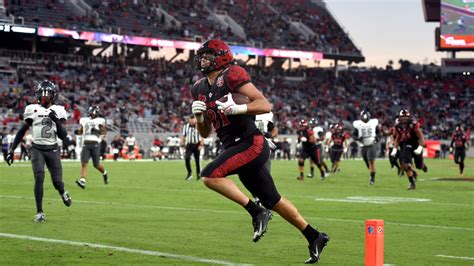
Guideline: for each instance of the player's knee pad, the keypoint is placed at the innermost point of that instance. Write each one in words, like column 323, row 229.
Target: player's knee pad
column 39, row 175
column 300, row 162
column 407, row 167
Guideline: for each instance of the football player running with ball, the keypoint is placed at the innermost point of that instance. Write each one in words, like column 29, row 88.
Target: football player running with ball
column 46, row 120
column 246, row 150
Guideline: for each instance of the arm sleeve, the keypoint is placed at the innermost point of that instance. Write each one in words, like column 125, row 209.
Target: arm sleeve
column 236, row 78
column 60, row 130
column 19, row 135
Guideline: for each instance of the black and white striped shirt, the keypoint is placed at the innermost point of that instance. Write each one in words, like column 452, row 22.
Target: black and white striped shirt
column 191, row 134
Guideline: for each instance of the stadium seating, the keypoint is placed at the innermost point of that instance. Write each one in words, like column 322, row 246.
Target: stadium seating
column 272, row 23
column 154, row 96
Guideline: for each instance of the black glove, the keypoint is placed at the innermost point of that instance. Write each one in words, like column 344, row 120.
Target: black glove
column 9, row 158
column 95, row 131
column 53, row 116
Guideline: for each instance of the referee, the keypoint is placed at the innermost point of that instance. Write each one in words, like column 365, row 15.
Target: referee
column 193, row 142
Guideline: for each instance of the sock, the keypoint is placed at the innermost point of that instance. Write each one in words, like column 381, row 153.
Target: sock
column 252, row 208
column 301, row 174
column 372, row 175
column 412, row 180
column 322, row 172
column 461, row 167
column 312, row 170
column 310, row 233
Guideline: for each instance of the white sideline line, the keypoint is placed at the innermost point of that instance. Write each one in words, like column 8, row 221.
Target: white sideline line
column 240, row 212
column 455, row 257
column 129, row 250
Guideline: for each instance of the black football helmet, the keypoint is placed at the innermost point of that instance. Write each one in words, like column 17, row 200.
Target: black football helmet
column 94, row 111
column 313, row 122
column 220, row 55
column 46, row 93
column 365, row 116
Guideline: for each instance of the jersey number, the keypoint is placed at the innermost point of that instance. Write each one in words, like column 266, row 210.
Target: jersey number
column 46, row 131
column 224, row 121
column 366, row 132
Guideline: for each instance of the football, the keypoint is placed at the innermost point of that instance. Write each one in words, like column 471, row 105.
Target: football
column 238, row 98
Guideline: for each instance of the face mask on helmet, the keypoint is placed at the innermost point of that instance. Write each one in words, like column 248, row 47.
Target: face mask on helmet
column 365, row 116
column 213, row 55
column 94, row 111
column 46, row 93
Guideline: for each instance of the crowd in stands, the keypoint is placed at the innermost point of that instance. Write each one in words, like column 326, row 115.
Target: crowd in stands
column 266, row 23
column 159, row 91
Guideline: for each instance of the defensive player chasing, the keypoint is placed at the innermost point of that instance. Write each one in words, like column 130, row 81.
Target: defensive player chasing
column 459, row 145
column 46, row 120
column 366, row 131
column 410, row 141
column 92, row 128
column 246, row 150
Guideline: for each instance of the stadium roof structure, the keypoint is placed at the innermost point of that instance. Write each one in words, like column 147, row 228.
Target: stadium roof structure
column 431, row 10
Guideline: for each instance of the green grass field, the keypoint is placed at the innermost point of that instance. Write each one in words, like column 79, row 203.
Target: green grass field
column 148, row 207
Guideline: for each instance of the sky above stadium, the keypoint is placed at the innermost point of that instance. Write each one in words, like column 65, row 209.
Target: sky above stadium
column 388, row 29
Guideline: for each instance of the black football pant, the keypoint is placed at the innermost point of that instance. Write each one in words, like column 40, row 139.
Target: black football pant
column 51, row 157
column 192, row 149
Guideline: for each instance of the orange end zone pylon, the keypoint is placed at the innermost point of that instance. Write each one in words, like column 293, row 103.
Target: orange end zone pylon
column 374, row 231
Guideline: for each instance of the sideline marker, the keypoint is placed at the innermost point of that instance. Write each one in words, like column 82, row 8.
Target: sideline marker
column 374, row 232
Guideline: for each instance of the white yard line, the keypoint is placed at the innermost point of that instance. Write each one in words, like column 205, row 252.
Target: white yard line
column 455, row 257
column 123, row 249
column 111, row 204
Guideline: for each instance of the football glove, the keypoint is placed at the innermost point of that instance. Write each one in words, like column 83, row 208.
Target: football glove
column 230, row 107
column 451, row 149
column 95, row 131
column 303, row 139
column 418, row 150
column 9, row 158
column 394, row 152
column 198, row 108
column 52, row 114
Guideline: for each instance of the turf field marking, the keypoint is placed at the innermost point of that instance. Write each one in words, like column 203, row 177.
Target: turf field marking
column 109, row 204
column 375, row 200
column 123, row 249
column 455, row 257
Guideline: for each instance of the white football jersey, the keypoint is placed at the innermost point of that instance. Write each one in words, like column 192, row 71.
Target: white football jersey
column 317, row 132
column 43, row 129
column 130, row 141
column 262, row 120
column 87, row 124
column 366, row 131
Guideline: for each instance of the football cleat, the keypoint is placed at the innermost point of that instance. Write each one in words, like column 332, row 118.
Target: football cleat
column 260, row 223
column 310, row 175
column 412, row 187
column 425, row 168
column 106, row 178
column 66, row 198
column 40, row 217
column 372, row 181
column 188, row 177
column 81, row 184
column 316, row 248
